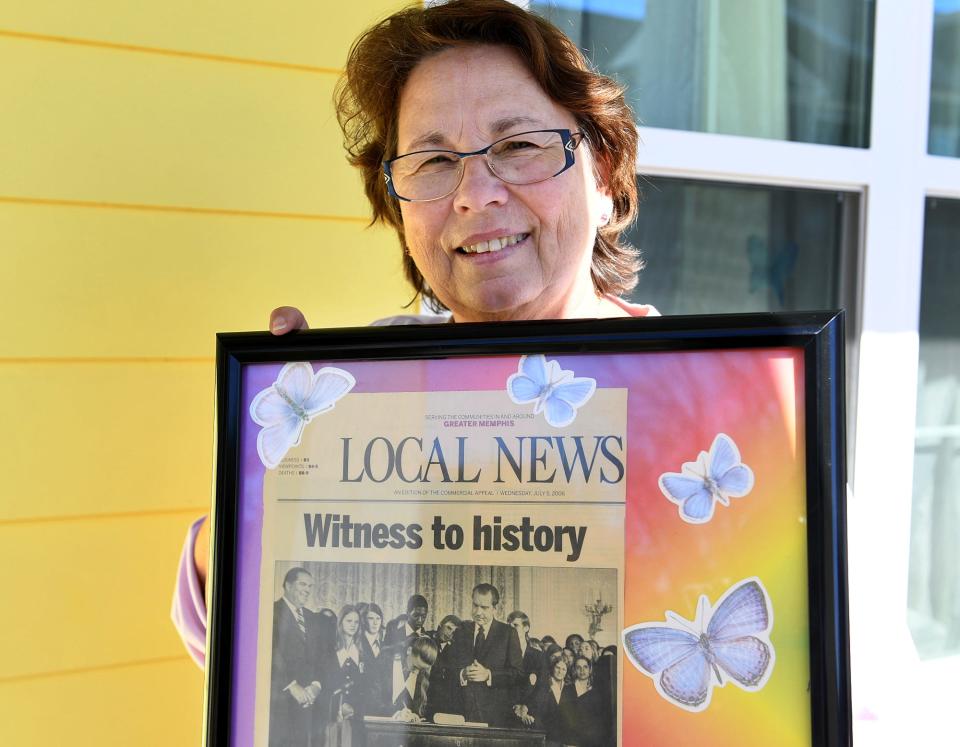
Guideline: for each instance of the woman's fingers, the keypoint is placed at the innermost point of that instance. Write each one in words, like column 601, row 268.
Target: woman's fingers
column 286, row 319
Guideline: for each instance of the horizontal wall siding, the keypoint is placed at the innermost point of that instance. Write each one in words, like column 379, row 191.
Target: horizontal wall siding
column 147, row 705
column 109, row 588
column 304, row 32
column 108, row 438
column 91, row 124
column 105, row 282
column 170, row 170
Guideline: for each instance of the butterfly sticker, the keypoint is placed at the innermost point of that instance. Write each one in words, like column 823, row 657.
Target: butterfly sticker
column 555, row 392
column 728, row 643
column 715, row 477
column 293, row 400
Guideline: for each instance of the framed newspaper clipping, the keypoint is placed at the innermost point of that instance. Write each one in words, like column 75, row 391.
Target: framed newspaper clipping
column 608, row 532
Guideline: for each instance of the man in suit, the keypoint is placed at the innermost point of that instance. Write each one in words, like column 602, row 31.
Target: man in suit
column 300, row 637
column 485, row 660
column 443, row 635
column 532, row 658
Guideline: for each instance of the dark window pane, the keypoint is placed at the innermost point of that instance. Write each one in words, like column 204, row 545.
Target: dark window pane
column 716, row 248
column 944, row 139
column 934, row 590
column 786, row 69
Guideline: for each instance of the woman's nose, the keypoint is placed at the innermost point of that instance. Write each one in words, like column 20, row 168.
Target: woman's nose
column 480, row 187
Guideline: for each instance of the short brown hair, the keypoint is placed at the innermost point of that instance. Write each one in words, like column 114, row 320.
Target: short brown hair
column 380, row 61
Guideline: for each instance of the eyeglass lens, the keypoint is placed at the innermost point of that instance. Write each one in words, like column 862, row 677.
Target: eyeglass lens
column 521, row 159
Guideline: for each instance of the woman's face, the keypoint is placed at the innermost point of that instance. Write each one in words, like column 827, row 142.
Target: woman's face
column 351, row 623
column 373, row 622
column 464, row 99
column 581, row 669
column 559, row 671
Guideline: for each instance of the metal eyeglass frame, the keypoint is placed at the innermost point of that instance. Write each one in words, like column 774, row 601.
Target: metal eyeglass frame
column 571, row 141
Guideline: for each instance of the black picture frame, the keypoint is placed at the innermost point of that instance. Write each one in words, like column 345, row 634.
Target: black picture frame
column 819, row 335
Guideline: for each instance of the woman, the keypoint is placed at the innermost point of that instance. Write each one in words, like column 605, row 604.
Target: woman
column 371, row 621
column 414, row 702
column 517, row 212
column 344, row 674
column 586, row 714
column 546, row 706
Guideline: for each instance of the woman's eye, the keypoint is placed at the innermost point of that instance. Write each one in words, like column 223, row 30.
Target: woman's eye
column 438, row 162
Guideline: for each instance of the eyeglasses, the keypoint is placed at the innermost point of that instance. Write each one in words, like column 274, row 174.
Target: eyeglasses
column 524, row 158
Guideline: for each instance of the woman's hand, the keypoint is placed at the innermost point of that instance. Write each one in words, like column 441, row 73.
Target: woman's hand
column 285, row 319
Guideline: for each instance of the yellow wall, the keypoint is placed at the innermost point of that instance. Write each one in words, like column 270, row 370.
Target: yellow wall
column 167, row 170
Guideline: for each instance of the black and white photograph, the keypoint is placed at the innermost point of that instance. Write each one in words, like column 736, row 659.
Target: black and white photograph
column 365, row 652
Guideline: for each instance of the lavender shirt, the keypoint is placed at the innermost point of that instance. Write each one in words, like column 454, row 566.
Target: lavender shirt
column 189, row 610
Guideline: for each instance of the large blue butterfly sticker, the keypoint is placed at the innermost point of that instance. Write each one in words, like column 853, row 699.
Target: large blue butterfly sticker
column 555, row 392
column 730, row 643
column 714, row 478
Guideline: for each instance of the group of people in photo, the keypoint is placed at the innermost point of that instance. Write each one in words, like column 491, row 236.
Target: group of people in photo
column 329, row 670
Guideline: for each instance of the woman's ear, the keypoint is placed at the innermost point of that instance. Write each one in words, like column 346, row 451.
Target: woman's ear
column 604, row 208
column 600, row 197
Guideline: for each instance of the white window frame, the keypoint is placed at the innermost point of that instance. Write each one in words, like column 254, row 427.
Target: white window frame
column 898, row 699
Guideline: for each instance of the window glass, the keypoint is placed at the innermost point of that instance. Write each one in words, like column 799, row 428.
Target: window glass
column 716, row 247
column 934, row 587
column 944, row 136
column 784, row 69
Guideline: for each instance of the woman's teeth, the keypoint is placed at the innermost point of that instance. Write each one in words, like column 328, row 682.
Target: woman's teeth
column 494, row 245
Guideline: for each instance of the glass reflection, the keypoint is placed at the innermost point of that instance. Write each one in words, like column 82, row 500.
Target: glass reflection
column 944, row 134
column 784, row 69
column 724, row 248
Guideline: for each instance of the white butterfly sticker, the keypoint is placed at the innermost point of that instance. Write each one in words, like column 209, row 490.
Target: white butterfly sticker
column 554, row 392
column 730, row 643
column 714, row 477
column 293, row 400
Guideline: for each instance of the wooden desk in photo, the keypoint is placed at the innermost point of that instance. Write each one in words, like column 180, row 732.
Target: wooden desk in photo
column 388, row 733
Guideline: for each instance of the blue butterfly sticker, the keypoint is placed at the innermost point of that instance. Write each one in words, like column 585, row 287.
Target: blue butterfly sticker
column 555, row 392
column 715, row 477
column 728, row 643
